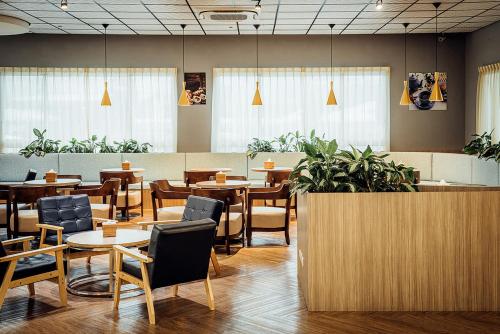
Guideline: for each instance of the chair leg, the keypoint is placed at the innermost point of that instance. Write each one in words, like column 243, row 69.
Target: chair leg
column 88, row 259
column 210, row 294
column 175, row 290
column 215, row 262
column 116, row 296
column 228, row 248
column 6, row 280
column 61, row 281
column 249, row 238
column 287, row 237
column 148, row 293
column 31, row 288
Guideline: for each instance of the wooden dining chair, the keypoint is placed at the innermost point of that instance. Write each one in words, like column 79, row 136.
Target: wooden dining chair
column 268, row 218
column 127, row 199
column 162, row 190
column 107, row 192
column 233, row 224
column 274, row 178
column 238, row 207
column 24, row 221
column 31, row 266
column 192, row 177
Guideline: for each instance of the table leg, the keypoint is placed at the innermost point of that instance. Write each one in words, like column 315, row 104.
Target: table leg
column 111, row 269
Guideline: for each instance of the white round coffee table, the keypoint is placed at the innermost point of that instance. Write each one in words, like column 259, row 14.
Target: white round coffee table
column 56, row 183
column 275, row 169
column 95, row 241
column 236, row 184
column 214, row 169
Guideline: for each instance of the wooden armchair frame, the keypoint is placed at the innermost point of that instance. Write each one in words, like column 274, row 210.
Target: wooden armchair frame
column 108, row 188
column 12, row 259
column 192, row 177
column 280, row 192
column 163, row 190
column 143, row 283
column 127, row 178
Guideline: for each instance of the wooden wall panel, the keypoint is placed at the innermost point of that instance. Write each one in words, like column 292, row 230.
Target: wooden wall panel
column 434, row 251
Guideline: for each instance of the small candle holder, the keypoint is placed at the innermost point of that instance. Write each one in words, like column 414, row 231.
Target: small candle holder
column 269, row 164
column 109, row 229
column 220, row 177
column 126, row 165
column 51, row 176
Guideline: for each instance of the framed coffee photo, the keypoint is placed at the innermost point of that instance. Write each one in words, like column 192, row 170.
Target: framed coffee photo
column 196, row 87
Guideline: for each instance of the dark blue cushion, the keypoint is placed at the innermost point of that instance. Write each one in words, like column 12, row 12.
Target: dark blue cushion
column 71, row 212
column 34, row 265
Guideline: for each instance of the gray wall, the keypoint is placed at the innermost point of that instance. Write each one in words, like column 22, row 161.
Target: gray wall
column 410, row 131
column 482, row 47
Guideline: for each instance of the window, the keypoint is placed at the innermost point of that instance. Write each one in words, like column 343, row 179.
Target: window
column 295, row 99
column 488, row 100
column 67, row 102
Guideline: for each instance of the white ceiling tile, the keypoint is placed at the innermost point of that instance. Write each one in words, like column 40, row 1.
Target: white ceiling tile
column 84, row 7
column 169, row 8
column 489, row 19
column 299, row 8
column 134, row 15
column 370, row 21
column 402, row 20
column 343, row 8
column 93, row 15
column 295, row 21
column 358, row 32
column 317, row 27
column 153, row 32
column 388, row 7
column 292, row 27
column 475, row 5
column 47, row 31
column 139, row 21
column 101, row 21
column 326, row 22
column 376, row 14
column 41, row 14
column 452, row 13
column 125, row 8
column 175, row 16
column 296, row 15
column 417, row 14
column 399, row 26
column 45, row 6
column 430, row 7
column 337, row 15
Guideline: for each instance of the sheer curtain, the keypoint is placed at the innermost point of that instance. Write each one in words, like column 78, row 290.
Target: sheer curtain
column 295, row 99
column 488, row 100
column 67, row 102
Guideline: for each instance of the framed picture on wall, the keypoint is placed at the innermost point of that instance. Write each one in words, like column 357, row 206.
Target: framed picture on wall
column 196, row 87
column 420, row 87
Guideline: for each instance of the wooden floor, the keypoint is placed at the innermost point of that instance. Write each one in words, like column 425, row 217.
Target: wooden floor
column 257, row 293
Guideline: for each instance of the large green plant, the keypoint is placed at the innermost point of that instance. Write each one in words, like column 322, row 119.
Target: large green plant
column 483, row 147
column 40, row 146
column 132, row 146
column 289, row 142
column 327, row 169
column 259, row 145
column 89, row 145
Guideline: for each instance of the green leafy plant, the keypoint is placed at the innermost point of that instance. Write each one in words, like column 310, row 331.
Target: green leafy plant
column 259, row 145
column 40, row 146
column 89, row 145
column 483, row 147
column 132, row 146
column 104, row 147
column 327, row 169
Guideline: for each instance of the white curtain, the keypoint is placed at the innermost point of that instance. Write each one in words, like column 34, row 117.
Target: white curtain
column 488, row 100
column 295, row 99
column 67, row 102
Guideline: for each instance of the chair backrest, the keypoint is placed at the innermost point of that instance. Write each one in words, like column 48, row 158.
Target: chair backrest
column 181, row 252
column 276, row 177
column 192, row 177
column 71, row 212
column 29, row 194
column 125, row 177
column 227, row 196
column 31, row 175
column 201, row 208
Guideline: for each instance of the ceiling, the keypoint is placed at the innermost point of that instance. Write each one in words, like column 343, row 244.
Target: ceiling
column 163, row 17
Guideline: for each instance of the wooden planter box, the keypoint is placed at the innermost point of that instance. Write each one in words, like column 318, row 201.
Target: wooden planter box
column 428, row 251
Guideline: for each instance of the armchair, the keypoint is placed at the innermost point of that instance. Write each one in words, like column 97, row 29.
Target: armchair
column 267, row 218
column 163, row 190
column 31, row 266
column 178, row 253
column 127, row 199
column 109, row 188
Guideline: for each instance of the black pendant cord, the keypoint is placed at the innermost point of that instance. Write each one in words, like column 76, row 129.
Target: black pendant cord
column 437, row 5
column 331, row 52
column 105, row 52
column 257, row 44
column 406, row 26
column 183, row 26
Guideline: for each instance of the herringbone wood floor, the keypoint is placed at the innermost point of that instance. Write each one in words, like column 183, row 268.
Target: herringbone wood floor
column 257, row 293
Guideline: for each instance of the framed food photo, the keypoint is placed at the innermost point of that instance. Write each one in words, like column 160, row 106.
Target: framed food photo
column 420, row 88
column 196, row 87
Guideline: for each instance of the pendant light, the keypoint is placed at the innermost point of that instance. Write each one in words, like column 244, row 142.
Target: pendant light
column 436, row 95
column 405, row 97
column 331, row 101
column 257, row 101
column 106, row 101
column 183, row 99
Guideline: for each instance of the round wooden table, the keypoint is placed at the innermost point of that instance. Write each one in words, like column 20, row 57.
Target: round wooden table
column 228, row 184
column 58, row 183
column 95, row 241
column 275, row 169
column 119, row 169
column 215, row 169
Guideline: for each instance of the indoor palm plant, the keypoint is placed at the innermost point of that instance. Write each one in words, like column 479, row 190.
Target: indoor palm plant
column 327, row 169
column 483, row 147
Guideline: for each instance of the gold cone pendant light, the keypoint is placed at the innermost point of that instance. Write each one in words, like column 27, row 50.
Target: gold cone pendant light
column 183, row 98
column 436, row 95
column 332, row 100
column 257, row 100
column 405, row 97
column 105, row 101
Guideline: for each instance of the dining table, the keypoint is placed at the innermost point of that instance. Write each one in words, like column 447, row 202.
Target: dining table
column 228, row 184
column 58, row 183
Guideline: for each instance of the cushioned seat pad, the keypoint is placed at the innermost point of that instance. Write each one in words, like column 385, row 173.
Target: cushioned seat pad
column 268, row 217
column 100, row 210
column 34, row 265
column 27, row 221
column 134, row 198
column 3, row 211
column 170, row 213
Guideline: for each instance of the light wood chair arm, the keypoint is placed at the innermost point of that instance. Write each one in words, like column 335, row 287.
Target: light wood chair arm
column 45, row 250
column 50, row 227
column 132, row 253
column 17, row 240
column 145, row 225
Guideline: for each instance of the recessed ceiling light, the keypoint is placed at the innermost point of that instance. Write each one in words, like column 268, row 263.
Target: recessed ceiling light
column 379, row 4
column 64, row 4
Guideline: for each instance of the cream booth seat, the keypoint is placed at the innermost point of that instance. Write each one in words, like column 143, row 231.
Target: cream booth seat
column 27, row 221
column 235, row 224
column 268, row 217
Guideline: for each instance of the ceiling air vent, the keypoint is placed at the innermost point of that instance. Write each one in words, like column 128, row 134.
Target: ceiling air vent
column 232, row 15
